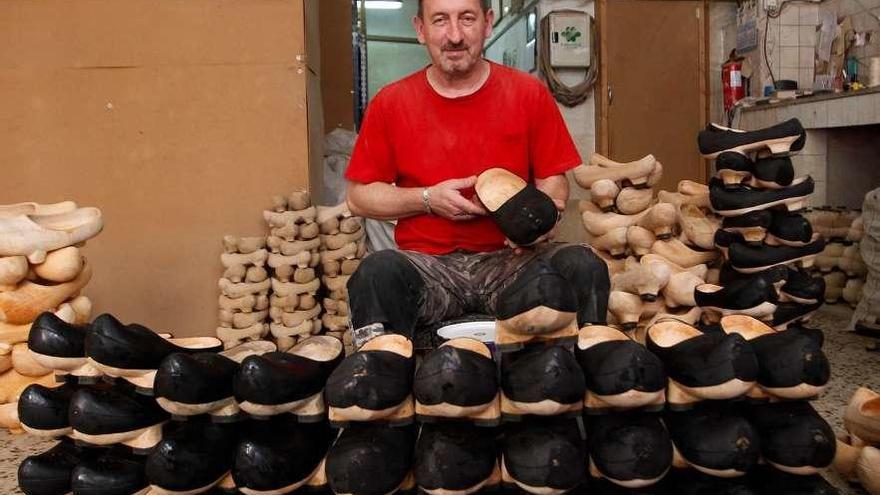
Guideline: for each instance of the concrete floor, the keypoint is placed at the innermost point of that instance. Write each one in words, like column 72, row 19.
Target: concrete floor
column 851, row 366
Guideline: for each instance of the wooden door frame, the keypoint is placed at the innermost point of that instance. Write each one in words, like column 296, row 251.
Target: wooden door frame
column 603, row 144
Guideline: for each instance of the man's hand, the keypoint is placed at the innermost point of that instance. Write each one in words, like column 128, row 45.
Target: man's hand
column 447, row 201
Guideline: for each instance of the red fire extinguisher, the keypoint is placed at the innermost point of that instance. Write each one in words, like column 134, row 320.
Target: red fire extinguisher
column 732, row 80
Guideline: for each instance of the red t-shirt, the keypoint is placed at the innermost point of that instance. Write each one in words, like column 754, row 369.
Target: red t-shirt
column 414, row 137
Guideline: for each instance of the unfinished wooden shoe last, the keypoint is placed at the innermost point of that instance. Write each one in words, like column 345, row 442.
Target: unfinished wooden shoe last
column 35, row 235
column 604, row 193
column 24, row 304
column 680, row 290
column 614, row 242
column 659, row 219
column 862, row 416
column 677, row 252
column 599, row 223
column 697, row 227
column 340, row 240
column 276, row 219
column 631, row 200
column 243, row 245
column 600, row 167
column 637, row 279
column 62, row 265
column 640, row 240
column 626, row 308
column 235, row 291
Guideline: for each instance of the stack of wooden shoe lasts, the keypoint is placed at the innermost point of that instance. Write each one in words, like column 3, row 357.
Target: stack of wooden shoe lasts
column 343, row 245
column 244, row 290
column 42, row 269
column 294, row 243
column 656, row 248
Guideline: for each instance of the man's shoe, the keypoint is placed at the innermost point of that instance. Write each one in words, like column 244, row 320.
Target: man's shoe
column 752, row 225
column 789, row 229
column 459, row 379
column 524, row 213
column 620, row 373
column 193, row 384
column 192, row 458
column 116, row 472
column 542, row 381
column 280, row 455
column 61, row 346
column 630, row 449
column 739, row 200
column 792, row 364
column 106, row 417
column 794, row 438
column 713, row 439
column 702, row 366
column 781, row 139
column 456, row 459
column 134, row 352
column 545, row 456
column 748, row 259
column 44, row 412
column 374, row 383
column 539, row 304
column 292, row 381
column 370, row 459
column 49, row 473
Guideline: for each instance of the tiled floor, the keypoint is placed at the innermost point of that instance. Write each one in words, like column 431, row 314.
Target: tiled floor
column 852, row 366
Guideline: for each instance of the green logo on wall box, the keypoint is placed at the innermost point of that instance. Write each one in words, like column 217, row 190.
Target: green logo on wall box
column 571, row 34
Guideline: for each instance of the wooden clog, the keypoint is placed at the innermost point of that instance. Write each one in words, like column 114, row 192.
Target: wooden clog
column 35, row 235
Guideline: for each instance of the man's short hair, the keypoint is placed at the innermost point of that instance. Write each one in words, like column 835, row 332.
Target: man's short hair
column 483, row 3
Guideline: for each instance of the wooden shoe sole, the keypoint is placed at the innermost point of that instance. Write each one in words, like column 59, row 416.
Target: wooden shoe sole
column 506, row 478
column 513, row 334
column 627, row 401
column 512, row 410
column 141, row 440
column 679, row 461
column 777, row 147
column 225, row 482
column 24, row 304
column 680, row 396
column 631, row 484
column 492, row 480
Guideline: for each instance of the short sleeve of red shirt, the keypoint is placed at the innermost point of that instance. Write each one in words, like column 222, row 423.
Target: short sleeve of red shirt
column 551, row 149
column 372, row 159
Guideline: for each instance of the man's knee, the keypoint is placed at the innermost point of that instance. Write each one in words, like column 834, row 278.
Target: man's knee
column 386, row 268
column 574, row 258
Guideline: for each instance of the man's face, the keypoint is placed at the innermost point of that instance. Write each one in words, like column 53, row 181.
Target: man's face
column 454, row 32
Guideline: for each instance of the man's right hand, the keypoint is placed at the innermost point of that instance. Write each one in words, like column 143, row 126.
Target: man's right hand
column 447, row 201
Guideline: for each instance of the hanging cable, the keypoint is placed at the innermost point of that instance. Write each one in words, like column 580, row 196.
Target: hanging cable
column 570, row 96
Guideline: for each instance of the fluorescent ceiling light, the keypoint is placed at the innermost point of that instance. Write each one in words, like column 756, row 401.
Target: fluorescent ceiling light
column 382, row 5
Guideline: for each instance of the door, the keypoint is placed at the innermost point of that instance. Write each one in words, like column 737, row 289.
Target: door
column 652, row 93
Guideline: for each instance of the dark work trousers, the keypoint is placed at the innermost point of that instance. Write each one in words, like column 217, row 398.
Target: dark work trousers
column 403, row 290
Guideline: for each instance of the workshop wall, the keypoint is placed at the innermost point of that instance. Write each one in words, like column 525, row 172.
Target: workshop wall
column 177, row 119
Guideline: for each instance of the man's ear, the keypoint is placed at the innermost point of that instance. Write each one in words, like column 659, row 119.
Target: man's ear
column 419, row 26
column 490, row 21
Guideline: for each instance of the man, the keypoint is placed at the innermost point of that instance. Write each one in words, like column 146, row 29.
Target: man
column 424, row 140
